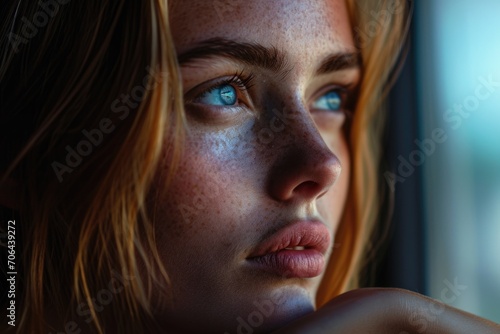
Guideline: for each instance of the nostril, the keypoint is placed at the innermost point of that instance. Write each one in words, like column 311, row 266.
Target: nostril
column 307, row 188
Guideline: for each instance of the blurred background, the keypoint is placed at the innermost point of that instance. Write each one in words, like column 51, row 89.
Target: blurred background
column 443, row 152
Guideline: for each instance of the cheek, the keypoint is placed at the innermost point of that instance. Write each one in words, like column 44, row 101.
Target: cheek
column 331, row 205
column 207, row 204
column 197, row 200
column 194, row 217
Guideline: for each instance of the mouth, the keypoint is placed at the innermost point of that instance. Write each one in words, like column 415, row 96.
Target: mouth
column 296, row 251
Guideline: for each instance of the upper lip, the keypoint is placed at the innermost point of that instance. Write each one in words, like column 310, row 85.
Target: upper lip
column 310, row 234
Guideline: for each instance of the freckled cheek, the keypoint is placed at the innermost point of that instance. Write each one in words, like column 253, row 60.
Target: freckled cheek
column 331, row 205
column 201, row 202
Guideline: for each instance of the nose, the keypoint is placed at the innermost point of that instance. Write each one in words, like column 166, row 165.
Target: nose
column 306, row 168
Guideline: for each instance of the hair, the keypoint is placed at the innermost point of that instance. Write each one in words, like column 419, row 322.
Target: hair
column 83, row 221
column 379, row 41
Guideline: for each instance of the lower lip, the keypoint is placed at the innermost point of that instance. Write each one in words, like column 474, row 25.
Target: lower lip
column 292, row 263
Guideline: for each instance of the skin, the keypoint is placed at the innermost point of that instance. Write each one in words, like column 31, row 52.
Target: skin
column 234, row 186
column 389, row 310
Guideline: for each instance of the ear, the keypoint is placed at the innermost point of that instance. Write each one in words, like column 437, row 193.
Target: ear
column 9, row 194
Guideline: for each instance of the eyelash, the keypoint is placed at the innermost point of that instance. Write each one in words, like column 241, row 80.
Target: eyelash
column 242, row 81
column 239, row 80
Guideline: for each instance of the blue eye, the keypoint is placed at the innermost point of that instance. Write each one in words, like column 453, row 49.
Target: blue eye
column 329, row 101
column 223, row 95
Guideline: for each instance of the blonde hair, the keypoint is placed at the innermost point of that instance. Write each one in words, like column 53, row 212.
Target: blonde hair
column 380, row 28
column 54, row 91
column 66, row 90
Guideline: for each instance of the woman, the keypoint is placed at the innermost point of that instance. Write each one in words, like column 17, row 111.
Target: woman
column 199, row 166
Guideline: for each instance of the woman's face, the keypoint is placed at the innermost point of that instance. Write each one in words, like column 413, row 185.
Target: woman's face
column 265, row 165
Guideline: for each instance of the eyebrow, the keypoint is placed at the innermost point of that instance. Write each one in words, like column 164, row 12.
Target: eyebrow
column 339, row 62
column 255, row 54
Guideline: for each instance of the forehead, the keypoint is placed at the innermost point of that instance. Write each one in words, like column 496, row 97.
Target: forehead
column 291, row 25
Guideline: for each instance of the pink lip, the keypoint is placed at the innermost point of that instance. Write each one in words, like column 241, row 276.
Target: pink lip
column 273, row 257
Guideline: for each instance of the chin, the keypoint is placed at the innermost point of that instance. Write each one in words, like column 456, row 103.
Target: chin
column 277, row 310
